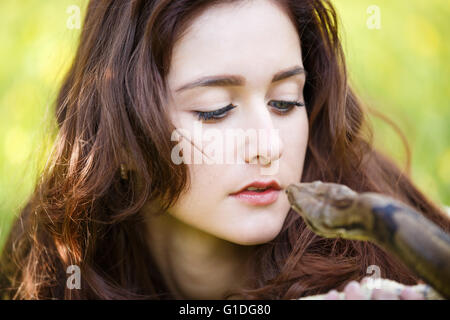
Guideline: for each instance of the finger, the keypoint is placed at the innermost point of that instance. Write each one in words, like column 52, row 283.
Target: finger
column 380, row 294
column 332, row 295
column 409, row 294
column 353, row 291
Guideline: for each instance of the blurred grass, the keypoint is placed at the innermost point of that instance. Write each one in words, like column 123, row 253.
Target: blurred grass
column 401, row 70
column 37, row 47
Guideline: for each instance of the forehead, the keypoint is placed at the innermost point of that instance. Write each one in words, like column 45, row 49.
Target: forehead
column 252, row 38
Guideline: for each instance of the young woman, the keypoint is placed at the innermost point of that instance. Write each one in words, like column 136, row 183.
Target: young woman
column 115, row 201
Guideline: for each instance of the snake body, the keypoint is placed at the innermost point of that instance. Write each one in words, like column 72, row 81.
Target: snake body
column 333, row 210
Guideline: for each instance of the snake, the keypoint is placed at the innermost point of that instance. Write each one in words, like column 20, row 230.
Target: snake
column 333, row 210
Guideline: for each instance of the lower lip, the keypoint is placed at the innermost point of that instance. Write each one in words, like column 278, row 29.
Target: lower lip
column 258, row 198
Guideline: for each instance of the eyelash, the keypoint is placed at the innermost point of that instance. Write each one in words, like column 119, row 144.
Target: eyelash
column 221, row 113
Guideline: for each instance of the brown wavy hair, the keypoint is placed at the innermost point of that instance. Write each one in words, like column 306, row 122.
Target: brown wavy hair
column 111, row 110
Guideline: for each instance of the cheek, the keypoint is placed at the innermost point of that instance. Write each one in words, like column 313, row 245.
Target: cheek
column 206, row 205
column 204, row 194
column 301, row 128
column 295, row 140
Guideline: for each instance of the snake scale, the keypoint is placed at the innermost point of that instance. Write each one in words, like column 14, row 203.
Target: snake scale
column 333, row 210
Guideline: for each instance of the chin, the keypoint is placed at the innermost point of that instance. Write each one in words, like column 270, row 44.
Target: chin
column 255, row 236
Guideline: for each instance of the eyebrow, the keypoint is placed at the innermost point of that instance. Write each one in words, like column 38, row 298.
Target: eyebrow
column 237, row 80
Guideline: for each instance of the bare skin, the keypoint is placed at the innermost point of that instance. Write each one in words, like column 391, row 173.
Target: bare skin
column 205, row 238
column 196, row 265
column 333, row 210
column 353, row 291
column 201, row 245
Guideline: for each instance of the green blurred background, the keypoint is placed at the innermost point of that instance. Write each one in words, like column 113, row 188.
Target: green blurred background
column 400, row 69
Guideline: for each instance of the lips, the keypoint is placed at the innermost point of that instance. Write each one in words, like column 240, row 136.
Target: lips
column 260, row 185
column 259, row 198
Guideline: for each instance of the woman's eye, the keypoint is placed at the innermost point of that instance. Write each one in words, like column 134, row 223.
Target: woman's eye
column 285, row 106
column 216, row 114
column 280, row 105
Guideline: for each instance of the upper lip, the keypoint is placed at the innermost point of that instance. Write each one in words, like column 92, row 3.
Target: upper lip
column 261, row 184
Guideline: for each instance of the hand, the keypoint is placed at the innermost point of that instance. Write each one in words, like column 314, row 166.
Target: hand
column 353, row 291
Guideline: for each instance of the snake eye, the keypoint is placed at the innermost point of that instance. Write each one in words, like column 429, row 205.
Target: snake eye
column 342, row 203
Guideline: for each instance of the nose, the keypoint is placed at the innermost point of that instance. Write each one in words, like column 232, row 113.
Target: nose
column 263, row 144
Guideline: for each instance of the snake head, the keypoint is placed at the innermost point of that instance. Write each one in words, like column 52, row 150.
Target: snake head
column 329, row 209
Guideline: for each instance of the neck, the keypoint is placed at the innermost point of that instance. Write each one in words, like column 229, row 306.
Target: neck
column 195, row 264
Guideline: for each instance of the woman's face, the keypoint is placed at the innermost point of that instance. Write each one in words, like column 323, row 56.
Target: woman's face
column 251, row 41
